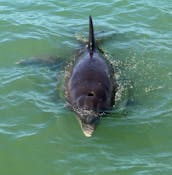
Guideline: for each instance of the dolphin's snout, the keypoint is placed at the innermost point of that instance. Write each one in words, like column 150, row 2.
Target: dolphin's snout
column 88, row 130
column 88, row 125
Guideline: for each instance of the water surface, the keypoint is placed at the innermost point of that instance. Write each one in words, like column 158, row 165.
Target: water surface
column 39, row 135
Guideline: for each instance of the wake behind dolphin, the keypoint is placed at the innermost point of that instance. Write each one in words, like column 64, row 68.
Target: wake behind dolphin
column 91, row 86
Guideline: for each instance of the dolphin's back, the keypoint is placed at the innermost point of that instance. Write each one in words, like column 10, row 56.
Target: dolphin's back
column 91, row 73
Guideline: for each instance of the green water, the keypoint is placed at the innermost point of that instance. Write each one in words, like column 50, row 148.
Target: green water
column 39, row 136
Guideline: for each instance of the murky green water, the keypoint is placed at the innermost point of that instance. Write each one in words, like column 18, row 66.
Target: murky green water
column 39, row 136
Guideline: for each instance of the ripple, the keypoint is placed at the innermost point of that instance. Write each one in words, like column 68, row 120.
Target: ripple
column 135, row 138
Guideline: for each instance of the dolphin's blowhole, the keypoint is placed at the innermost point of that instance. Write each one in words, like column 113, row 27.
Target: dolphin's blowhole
column 91, row 94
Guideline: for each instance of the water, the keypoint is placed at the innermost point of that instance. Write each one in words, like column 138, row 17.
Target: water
column 38, row 135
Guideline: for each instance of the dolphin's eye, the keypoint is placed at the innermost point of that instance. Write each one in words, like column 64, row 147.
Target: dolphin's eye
column 91, row 94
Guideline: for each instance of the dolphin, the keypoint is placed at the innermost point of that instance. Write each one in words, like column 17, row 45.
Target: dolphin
column 91, row 86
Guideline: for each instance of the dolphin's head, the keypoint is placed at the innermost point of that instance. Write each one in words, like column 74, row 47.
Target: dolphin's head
column 90, row 108
column 88, row 122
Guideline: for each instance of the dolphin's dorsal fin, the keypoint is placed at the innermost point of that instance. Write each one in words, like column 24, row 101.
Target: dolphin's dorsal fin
column 91, row 44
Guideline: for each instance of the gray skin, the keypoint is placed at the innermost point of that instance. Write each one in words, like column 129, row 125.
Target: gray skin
column 90, row 87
